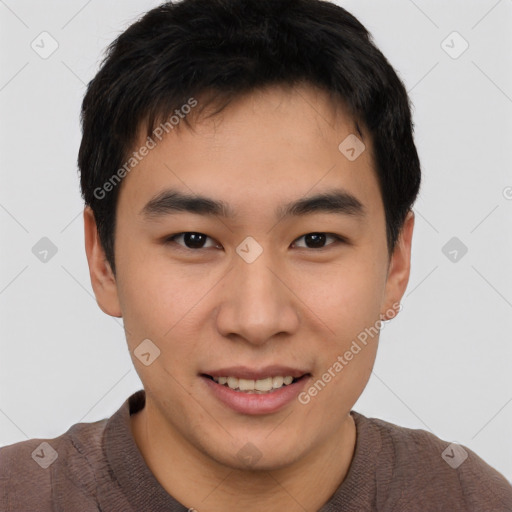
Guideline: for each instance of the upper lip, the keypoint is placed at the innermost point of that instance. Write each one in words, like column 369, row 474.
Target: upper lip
column 244, row 372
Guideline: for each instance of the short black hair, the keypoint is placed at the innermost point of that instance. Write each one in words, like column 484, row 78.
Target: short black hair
column 221, row 50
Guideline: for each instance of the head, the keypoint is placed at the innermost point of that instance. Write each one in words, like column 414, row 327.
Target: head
column 211, row 121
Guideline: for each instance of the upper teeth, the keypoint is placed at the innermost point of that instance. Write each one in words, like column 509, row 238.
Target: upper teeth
column 254, row 385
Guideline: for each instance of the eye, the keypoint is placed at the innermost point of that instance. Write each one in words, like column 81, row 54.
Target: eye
column 194, row 241
column 191, row 239
column 317, row 240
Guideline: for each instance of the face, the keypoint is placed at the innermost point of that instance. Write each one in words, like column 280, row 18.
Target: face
column 263, row 292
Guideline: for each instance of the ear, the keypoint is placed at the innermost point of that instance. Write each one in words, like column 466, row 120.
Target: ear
column 399, row 269
column 102, row 278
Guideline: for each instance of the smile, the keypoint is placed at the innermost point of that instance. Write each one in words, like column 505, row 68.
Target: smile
column 255, row 397
column 266, row 385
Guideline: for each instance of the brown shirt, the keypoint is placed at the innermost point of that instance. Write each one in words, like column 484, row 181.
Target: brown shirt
column 98, row 467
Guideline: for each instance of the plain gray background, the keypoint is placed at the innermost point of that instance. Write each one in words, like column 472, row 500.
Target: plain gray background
column 443, row 365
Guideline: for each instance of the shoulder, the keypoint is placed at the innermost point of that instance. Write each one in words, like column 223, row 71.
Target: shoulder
column 34, row 472
column 422, row 468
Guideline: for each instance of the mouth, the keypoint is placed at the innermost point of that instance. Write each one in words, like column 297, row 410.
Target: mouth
column 267, row 392
column 257, row 387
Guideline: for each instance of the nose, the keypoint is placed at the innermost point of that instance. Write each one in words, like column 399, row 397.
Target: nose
column 257, row 302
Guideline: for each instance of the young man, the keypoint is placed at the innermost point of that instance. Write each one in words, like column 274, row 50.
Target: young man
column 248, row 169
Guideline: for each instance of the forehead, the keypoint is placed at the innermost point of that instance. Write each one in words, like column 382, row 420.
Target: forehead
column 271, row 145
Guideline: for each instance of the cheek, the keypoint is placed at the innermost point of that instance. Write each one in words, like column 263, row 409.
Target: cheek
column 348, row 303
column 346, row 296
column 150, row 289
column 145, row 298
column 347, row 300
column 160, row 302
column 155, row 309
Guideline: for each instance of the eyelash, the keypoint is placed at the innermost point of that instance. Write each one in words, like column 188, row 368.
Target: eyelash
column 338, row 239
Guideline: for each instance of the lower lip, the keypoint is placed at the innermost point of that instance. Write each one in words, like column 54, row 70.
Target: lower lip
column 254, row 403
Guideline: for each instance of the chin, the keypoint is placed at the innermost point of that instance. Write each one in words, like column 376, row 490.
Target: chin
column 258, row 454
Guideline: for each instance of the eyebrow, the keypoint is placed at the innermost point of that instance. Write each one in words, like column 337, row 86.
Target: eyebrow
column 337, row 201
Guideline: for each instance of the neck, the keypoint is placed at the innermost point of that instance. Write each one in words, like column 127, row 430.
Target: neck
column 203, row 484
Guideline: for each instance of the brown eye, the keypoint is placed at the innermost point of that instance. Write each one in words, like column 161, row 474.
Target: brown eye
column 190, row 240
column 317, row 240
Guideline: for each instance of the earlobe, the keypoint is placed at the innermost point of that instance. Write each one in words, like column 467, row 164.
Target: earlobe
column 399, row 270
column 102, row 278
